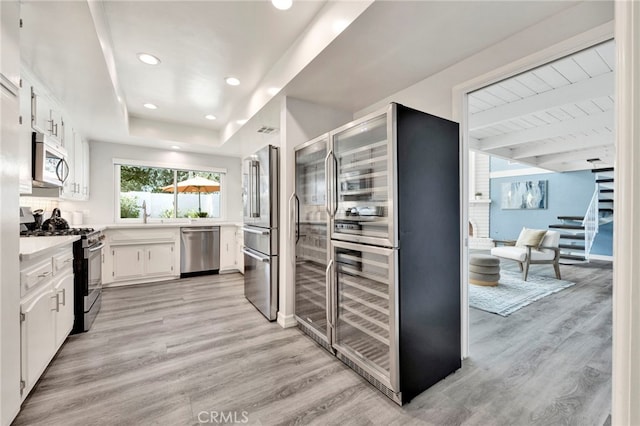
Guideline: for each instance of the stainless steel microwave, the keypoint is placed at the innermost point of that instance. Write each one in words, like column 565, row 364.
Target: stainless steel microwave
column 49, row 165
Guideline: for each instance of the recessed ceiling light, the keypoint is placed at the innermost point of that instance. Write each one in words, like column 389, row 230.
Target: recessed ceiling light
column 150, row 106
column 232, row 81
column 148, row 59
column 175, row 147
column 282, row 4
column 273, row 90
column 241, row 122
column 210, row 117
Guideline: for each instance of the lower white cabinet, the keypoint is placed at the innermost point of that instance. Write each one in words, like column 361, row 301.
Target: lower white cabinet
column 46, row 311
column 227, row 248
column 38, row 335
column 141, row 261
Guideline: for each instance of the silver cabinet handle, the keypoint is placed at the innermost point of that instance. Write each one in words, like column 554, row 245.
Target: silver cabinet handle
column 57, row 297
column 64, row 296
column 149, row 254
column 255, row 231
column 255, row 256
column 328, row 292
column 44, row 274
column 192, row 230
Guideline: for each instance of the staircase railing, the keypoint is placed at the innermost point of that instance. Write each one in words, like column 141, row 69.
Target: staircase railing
column 590, row 223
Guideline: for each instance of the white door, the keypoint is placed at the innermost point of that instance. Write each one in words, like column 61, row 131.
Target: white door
column 128, row 262
column 160, row 259
column 38, row 335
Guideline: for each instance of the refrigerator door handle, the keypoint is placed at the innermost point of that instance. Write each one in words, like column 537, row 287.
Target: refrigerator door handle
column 256, row 189
column 255, row 231
column 335, row 184
column 250, row 189
column 264, row 259
column 328, row 291
column 328, row 183
column 291, row 217
column 297, row 218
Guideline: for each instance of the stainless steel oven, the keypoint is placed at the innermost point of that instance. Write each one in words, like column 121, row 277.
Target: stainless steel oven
column 88, row 259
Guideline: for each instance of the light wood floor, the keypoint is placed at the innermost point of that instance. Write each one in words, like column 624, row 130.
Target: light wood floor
column 177, row 353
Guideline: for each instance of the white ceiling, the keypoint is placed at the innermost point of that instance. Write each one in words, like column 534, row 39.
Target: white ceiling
column 555, row 117
column 85, row 53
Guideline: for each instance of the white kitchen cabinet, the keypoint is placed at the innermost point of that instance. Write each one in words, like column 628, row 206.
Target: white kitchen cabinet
column 41, row 113
column 141, row 255
column 10, row 36
column 159, row 259
column 239, row 245
column 128, row 262
column 37, row 334
column 63, row 287
column 137, row 261
column 227, row 248
column 25, row 152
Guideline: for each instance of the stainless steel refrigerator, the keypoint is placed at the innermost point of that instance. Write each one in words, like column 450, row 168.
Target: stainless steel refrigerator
column 260, row 190
column 378, row 247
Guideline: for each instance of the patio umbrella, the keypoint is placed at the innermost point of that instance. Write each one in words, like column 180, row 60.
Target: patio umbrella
column 196, row 184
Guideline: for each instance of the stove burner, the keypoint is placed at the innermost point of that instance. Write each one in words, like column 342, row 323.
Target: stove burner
column 57, row 233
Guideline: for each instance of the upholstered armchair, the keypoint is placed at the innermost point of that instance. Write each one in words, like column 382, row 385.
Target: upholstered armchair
column 547, row 252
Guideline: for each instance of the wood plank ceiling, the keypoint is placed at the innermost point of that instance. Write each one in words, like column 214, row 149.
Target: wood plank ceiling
column 555, row 117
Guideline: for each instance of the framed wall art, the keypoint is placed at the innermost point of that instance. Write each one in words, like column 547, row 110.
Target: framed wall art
column 530, row 194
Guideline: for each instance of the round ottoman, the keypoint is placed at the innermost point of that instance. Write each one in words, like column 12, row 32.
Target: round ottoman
column 484, row 269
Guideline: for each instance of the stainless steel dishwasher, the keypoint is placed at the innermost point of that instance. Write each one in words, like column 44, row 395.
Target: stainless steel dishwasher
column 199, row 250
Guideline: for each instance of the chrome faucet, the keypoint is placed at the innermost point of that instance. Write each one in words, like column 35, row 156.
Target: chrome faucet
column 145, row 215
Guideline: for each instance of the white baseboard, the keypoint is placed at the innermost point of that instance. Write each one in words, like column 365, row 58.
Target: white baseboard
column 287, row 321
column 601, row 257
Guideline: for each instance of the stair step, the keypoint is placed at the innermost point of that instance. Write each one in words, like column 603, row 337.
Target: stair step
column 606, row 210
column 572, row 256
column 571, row 246
column 602, row 170
column 564, row 226
column 572, row 236
column 604, row 180
column 606, row 200
column 571, row 218
column 606, row 190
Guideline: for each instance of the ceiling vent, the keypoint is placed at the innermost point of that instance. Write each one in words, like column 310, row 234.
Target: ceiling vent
column 267, row 130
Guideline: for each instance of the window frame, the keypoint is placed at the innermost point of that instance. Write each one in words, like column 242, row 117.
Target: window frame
column 117, row 162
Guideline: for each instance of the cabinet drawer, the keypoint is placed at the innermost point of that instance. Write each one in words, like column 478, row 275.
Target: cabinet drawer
column 32, row 277
column 62, row 259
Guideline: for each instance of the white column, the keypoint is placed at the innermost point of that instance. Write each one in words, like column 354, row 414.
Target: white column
column 626, row 272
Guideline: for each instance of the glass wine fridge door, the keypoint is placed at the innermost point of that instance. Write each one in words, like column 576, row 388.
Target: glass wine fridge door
column 362, row 197
column 311, row 232
column 366, row 309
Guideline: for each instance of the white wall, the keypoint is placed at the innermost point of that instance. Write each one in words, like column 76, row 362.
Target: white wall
column 433, row 94
column 100, row 209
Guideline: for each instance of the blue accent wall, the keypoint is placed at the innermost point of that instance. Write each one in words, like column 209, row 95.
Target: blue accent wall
column 568, row 194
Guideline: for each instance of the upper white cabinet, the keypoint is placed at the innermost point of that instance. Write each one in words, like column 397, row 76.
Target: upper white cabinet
column 46, row 117
column 10, row 36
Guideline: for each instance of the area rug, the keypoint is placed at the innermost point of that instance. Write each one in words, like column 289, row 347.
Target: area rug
column 512, row 293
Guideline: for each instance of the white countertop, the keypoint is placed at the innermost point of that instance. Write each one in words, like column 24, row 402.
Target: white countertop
column 31, row 247
column 102, row 227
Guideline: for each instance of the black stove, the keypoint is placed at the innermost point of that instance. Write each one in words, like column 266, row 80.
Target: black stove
column 57, row 232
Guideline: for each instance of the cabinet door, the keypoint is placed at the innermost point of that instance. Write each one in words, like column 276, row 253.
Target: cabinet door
column 38, row 335
column 239, row 254
column 10, row 28
column 64, row 300
column 160, row 259
column 227, row 247
column 41, row 113
column 57, row 126
column 85, row 170
column 78, row 160
column 128, row 262
column 68, row 188
column 24, row 158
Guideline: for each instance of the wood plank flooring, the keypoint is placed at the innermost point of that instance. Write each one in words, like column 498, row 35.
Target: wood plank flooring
column 195, row 351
